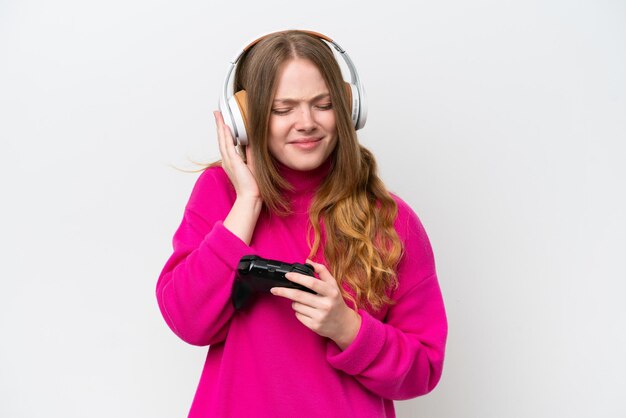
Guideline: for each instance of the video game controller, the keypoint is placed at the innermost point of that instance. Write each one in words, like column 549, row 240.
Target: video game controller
column 258, row 275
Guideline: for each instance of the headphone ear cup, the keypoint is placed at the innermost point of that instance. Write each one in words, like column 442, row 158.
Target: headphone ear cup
column 353, row 100
column 238, row 105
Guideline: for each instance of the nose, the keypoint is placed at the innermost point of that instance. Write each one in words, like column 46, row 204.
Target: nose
column 305, row 119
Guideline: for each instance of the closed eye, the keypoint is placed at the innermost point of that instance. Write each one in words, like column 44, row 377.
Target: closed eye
column 281, row 111
column 325, row 106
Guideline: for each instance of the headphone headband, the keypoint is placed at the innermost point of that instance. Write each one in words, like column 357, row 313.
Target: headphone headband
column 235, row 117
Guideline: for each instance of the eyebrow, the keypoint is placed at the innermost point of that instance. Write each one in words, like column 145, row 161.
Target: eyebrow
column 290, row 101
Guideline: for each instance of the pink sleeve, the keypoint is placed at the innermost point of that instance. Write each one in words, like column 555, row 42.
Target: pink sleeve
column 194, row 288
column 402, row 356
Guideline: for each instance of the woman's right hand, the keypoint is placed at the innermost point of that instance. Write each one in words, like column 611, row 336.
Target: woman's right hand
column 241, row 175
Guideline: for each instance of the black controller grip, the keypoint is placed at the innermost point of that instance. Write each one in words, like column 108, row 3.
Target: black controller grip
column 258, row 275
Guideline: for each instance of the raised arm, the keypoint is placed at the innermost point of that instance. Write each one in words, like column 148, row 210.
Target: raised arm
column 194, row 287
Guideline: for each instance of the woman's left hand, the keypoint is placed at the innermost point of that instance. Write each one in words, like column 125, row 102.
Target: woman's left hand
column 325, row 313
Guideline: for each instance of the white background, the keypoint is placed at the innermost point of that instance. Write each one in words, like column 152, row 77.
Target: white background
column 502, row 123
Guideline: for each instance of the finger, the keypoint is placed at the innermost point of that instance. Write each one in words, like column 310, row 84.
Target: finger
column 321, row 271
column 306, row 281
column 230, row 143
column 305, row 320
column 296, row 295
column 230, row 157
column 305, row 310
column 219, row 122
column 228, row 140
column 227, row 132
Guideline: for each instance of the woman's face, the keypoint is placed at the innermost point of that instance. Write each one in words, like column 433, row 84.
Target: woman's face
column 302, row 130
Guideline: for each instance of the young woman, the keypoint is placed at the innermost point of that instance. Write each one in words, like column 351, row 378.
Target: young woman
column 303, row 190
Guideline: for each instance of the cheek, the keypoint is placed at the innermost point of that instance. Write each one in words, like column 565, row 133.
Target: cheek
column 333, row 144
column 329, row 123
column 278, row 129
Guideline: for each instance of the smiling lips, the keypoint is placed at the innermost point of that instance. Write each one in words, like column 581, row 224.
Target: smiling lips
column 306, row 143
column 305, row 140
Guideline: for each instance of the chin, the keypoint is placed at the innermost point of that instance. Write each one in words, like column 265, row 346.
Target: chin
column 304, row 164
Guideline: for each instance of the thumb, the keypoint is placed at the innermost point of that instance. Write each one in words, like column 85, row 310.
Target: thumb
column 321, row 271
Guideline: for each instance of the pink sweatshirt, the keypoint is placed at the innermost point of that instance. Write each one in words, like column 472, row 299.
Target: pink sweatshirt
column 263, row 362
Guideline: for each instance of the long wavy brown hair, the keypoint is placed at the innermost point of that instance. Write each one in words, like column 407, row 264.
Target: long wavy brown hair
column 361, row 246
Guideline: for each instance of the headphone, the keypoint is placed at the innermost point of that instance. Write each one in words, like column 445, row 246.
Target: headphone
column 234, row 107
